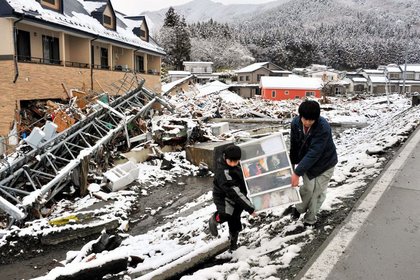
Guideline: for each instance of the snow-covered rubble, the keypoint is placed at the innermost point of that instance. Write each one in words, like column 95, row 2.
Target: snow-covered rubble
column 270, row 241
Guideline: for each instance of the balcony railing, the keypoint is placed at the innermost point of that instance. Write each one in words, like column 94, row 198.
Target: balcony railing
column 38, row 60
column 77, row 64
column 124, row 68
column 99, row 66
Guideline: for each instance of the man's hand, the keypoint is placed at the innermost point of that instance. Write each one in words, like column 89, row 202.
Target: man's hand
column 295, row 180
column 254, row 214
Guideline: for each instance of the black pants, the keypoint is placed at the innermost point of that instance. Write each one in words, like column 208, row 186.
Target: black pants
column 234, row 220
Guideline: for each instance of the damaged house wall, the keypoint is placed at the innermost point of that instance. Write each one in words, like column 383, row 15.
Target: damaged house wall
column 44, row 81
column 41, row 52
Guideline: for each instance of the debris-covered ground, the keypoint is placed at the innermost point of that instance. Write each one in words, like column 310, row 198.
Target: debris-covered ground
column 274, row 247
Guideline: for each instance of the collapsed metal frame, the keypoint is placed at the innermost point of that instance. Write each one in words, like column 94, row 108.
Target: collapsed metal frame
column 39, row 175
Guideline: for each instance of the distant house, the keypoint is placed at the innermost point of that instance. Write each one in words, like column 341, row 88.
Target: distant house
column 395, row 76
column 377, row 84
column 331, row 77
column 386, row 79
column 357, row 82
column 376, row 80
column 175, row 75
column 249, row 77
column 202, row 70
column 281, row 88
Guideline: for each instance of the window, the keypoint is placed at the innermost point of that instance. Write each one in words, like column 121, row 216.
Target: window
column 140, row 64
column 286, row 92
column 23, row 45
column 241, row 78
column 409, row 76
column 107, row 20
column 247, row 78
column 259, row 77
column 142, row 33
column 394, row 76
column 50, row 50
column 51, row 4
column 273, row 94
column 104, row 58
column 309, row 93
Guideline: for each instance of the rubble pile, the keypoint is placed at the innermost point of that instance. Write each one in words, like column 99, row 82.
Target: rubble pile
column 229, row 105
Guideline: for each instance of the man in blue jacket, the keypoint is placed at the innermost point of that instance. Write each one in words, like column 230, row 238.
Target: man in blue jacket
column 313, row 156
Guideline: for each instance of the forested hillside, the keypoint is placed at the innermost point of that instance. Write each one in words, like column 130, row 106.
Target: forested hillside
column 342, row 34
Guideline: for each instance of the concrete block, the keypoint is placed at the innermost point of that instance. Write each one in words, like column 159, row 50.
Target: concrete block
column 50, row 130
column 205, row 152
column 219, row 128
column 175, row 269
column 35, row 138
column 122, row 175
column 138, row 155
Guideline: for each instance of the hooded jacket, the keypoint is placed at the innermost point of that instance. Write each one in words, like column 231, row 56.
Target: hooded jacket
column 315, row 152
column 229, row 189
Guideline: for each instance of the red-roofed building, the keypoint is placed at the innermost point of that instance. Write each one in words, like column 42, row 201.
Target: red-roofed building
column 281, row 88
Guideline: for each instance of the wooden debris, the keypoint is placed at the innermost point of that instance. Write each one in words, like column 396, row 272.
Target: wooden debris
column 63, row 121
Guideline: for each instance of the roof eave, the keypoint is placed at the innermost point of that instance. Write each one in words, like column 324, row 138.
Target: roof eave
column 88, row 34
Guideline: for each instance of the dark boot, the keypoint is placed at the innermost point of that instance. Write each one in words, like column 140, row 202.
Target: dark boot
column 233, row 237
column 213, row 225
column 295, row 214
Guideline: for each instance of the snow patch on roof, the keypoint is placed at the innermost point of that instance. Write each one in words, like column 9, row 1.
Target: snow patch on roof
column 291, row 82
column 167, row 87
column 359, row 80
column 212, row 87
column 92, row 6
column 252, row 67
column 83, row 22
column 412, row 67
column 378, row 80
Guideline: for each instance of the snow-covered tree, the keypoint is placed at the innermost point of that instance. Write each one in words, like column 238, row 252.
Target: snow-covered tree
column 213, row 41
column 175, row 39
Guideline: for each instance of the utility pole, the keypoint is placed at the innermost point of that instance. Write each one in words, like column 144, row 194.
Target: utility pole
column 405, row 60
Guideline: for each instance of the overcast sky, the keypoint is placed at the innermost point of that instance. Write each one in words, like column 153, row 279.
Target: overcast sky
column 131, row 7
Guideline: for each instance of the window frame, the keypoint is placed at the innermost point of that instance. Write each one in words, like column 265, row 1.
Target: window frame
column 105, row 19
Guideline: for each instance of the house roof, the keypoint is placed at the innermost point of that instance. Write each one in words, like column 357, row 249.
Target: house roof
column 393, row 69
column 174, row 72
column 358, row 79
column 411, row 67
column 212, row 87
column 197, row 62
column 169, row 86
column 77, row 16
column 374, row 71
column 282, row 71
column 252, row 67
column 378, row 79
column 291, row 82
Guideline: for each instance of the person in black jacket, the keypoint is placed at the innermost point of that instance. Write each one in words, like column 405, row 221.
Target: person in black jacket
column 229, row 195
column 313, row 156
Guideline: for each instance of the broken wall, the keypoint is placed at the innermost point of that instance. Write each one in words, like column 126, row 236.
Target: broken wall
column 40, row 81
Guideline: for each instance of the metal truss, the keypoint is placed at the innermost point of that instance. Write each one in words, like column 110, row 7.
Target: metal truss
column 36, row 177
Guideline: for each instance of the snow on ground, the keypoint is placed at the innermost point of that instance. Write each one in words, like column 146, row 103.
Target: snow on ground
column 270, row 241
